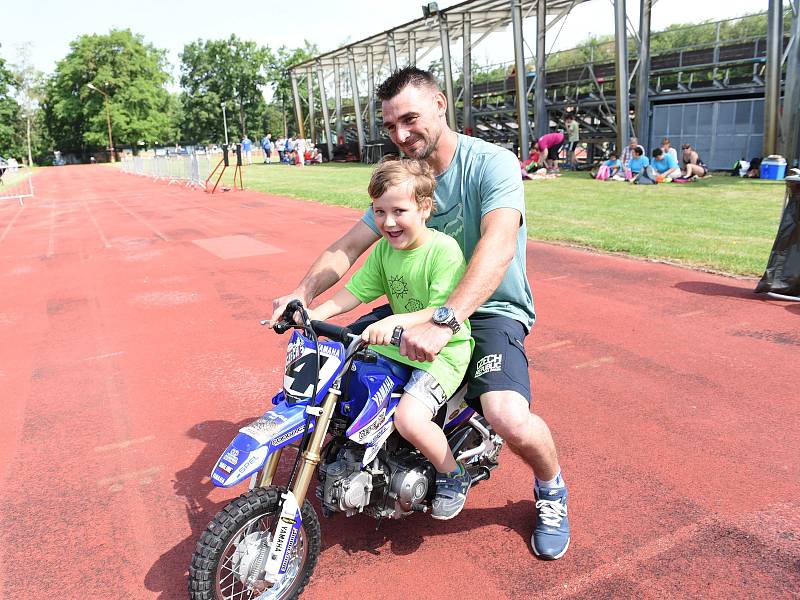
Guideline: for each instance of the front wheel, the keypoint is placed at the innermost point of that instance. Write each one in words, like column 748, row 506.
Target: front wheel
column 228, row 560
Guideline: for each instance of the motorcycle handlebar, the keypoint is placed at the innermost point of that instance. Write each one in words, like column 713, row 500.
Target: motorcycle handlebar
column 333, row 332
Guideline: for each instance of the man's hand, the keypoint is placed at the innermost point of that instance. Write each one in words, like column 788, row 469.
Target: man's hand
column 380, row 333
column 279, row 306
column 423, row 342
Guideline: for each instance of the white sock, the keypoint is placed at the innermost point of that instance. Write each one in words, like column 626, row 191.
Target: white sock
column 556, row 482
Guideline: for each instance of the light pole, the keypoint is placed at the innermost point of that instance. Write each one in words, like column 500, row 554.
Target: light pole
column 108, row 118
column 225, row 123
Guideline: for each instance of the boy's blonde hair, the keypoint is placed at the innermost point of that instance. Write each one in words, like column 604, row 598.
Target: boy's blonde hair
column 394, row 171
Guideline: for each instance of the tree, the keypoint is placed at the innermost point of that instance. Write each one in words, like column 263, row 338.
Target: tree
column 9, row 115
column 282, row 97
column 30, row 128
column 233, row 71
column 130, row 72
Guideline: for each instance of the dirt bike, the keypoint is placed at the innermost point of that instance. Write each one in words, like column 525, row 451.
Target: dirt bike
column 336, row 409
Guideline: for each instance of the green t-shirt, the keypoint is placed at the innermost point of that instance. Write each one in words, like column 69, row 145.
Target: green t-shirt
column 413, row 280
column 573, row 132
column 481, row 178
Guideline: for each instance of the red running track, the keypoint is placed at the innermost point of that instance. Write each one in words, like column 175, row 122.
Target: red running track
column 132, row 353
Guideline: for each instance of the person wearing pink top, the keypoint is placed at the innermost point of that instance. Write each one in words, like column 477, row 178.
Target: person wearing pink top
column 550, row 143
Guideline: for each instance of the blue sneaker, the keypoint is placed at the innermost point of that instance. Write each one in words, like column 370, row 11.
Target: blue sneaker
column 550, row 538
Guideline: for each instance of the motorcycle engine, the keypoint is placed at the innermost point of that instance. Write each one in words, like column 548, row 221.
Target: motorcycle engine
column 346, row 488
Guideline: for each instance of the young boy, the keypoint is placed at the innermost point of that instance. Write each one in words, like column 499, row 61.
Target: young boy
column 416, row 268
column 637, row 164
column 609, row 168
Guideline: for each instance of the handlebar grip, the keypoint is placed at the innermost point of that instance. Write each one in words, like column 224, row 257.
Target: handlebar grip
column 282, row 327
column 331, row 331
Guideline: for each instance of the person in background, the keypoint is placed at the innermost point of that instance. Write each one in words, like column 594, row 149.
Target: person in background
column 666, row 148
column 573, row 139
column 665, row 166
column 288, row 152
column 300, row 152
column 637, row 164
column 247, row 149
column 609, row 168
column 551, row 144
column 627, row 154
column 266, row 146
column 280, row 146
column 694, row 167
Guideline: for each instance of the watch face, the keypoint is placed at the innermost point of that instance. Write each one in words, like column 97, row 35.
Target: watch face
column 441, row 314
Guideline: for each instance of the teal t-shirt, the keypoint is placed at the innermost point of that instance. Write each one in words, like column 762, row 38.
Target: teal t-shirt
column 481, row 178
column 413, row 280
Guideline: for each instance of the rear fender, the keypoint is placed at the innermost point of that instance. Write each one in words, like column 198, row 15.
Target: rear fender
column 254, row 443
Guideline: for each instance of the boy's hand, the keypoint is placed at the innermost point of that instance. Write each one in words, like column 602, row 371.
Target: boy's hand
column 380, row 333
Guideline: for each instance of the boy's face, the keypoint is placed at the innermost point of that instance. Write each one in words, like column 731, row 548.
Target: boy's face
column 400, row 219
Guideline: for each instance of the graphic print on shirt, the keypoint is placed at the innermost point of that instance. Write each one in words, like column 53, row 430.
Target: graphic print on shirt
column 450, row 222
column 413, row 305
column 398, row 285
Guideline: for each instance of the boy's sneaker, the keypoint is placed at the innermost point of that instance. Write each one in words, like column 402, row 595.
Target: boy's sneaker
column 451, row 494
column 550, row 538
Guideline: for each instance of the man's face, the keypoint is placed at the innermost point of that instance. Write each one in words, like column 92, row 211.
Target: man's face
column 634, row 143
column 413, row 119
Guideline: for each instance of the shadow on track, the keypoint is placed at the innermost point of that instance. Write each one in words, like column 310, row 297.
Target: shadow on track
column 707, row 288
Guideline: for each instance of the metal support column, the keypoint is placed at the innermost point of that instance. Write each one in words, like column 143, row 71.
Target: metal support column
column 356, row 102
column 623, row 101
column 373, row 125
column 790, row 147
column 298, row 109
column 412, row 48
column 772, row 81
column 521, row 87
column 326, row 119
column 541, row 120
column 311, row 116
column 390, row 46
column 444, row 38
column 337, row 84
column 643, row 77
column 466, row 72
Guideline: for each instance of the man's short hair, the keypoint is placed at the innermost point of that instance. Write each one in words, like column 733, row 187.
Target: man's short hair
column 638, row 150
column 397, row 81
column 393, row 171
column 657, row 152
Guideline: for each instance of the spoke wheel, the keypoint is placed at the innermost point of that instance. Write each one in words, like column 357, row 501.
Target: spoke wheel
column 227, row 563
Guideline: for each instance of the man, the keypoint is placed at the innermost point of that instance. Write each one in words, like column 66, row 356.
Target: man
column 480, row 203
column 665, row 166
column 573, row 139
column 627, row 154
column 247, row 149
column 266, row 145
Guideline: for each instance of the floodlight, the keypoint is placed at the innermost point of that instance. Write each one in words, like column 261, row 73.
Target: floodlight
column 430, row 9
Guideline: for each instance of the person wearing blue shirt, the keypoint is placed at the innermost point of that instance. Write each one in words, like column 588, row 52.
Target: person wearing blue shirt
column 247, row 149
column 665, row 165
column 266, row 145
column 638, row 163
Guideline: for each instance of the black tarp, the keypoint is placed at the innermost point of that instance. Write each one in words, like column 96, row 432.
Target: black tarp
column 783, row 268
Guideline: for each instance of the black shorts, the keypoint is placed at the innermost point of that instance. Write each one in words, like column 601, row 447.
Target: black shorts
column 498, row 363
column 571, row 146
column 552, row 151
column 268, row 152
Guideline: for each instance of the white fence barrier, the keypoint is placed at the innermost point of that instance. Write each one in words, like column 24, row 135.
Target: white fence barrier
column 16, row 182
column 192, row 170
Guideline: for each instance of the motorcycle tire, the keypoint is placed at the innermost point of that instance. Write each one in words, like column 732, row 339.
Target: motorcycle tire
column 232, row 538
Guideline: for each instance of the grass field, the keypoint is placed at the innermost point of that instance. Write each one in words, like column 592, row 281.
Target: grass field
column 724, row 224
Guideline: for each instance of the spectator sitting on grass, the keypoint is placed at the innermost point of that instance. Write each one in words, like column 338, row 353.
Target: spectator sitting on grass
column 666, row 146
column 637, row 163
column 665, row 166
column 692, row 164
column 608, row 169
column 627, row 153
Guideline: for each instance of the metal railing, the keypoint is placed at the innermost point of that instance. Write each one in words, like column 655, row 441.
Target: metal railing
column 191, row 170
column 16, row 182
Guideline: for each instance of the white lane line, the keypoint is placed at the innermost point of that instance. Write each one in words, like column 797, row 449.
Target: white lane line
column 10, row 223
column 142, row 221
column 691, row 314
column 96, row 226
column 554, row 345
column 603, row 360
column 99, row 356
column 554, row 278
column 124, row 444
column 144, row 473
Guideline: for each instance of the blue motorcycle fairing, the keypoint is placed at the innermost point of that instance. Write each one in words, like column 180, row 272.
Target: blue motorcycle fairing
column 300, row 371
column 369, row 392
column 254, row 443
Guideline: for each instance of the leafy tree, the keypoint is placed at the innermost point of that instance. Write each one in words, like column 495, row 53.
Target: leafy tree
column 131, row 73
column 9, row 115
column 233, row 71
column 30, row 129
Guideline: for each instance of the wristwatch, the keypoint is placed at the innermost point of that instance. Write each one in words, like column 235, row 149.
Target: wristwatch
column 444, row 315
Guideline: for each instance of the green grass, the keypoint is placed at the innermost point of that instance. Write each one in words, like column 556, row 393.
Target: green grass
column 723, row 223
